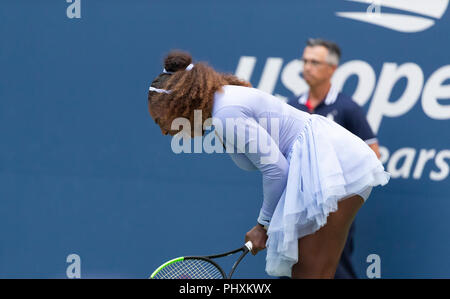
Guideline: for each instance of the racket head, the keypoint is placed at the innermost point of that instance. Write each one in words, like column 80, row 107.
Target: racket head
column 193, row 267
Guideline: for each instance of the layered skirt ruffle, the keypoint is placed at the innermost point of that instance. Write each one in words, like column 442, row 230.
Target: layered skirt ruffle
column 327, row 164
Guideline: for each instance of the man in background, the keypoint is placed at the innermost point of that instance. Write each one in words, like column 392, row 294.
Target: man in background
column 320, row 60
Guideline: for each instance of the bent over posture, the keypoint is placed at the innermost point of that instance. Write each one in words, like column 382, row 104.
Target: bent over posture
column 316, row 174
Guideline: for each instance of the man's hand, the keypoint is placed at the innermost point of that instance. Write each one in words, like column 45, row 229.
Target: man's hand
column 258, row 236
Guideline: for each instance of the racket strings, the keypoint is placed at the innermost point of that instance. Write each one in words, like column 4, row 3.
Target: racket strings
column 190, row 269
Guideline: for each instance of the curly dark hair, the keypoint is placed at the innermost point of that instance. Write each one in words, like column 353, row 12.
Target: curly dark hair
column 189, row 90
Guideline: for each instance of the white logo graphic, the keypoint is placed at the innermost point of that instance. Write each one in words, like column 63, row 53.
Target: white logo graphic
column 332, row 114
column 74, row 9
column 431, row 10
column 249, row 135
column 374, row 269
column 74, row 269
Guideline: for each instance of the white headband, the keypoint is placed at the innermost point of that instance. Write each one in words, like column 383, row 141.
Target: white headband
column 159, row 90
column 188, row 68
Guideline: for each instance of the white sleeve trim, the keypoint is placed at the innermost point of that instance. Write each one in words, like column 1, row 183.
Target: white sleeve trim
column 371, row 141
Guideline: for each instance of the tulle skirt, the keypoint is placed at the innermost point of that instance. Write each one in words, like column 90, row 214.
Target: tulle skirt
column 327, row 163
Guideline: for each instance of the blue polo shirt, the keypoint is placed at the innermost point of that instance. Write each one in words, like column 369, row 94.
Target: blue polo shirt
column 342, row 109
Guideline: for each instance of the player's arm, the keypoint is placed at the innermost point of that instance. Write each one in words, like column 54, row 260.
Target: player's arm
column 274, row 168
column 261, row 151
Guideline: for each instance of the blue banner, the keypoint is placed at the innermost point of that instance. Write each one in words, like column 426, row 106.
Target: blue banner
column 90, row 188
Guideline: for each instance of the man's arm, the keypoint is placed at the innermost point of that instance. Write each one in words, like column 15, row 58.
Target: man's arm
column 374, row 146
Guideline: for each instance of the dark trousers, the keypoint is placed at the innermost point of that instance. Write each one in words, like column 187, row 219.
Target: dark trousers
column 345, row 268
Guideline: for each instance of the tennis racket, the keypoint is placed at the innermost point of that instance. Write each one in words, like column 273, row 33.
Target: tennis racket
column 199, row 267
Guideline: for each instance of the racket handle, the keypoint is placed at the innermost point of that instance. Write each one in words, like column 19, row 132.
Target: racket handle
column 249, row 245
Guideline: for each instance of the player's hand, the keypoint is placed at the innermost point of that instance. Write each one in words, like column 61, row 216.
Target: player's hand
column 258, row 236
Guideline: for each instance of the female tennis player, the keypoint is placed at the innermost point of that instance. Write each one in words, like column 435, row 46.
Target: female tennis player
column 316, row 174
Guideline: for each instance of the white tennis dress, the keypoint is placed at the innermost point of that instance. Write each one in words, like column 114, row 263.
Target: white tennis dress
column 308, row 164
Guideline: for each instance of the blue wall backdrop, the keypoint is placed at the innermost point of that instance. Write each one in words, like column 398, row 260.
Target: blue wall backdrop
column 84, row 170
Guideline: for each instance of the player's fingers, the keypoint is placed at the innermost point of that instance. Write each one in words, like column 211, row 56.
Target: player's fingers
column 257, row 248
